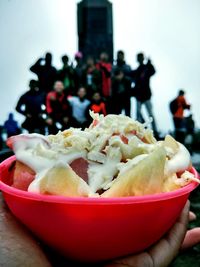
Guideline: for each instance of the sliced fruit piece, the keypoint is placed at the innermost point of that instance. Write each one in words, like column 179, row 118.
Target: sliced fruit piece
column 146, row 177
column 23, row 176
column 80, row 166
column 60, row 180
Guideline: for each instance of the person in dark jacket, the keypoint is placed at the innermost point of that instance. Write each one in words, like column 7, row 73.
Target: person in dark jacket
column 31, row 105
column 91, row 78
column 66, row 75
column 78, row 69
column 121, row 93
column 46, row 73
column 11, row 126
column 121, row 64
column 142, row 92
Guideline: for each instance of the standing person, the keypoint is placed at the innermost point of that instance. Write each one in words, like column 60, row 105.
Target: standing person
column 121, row 64
column 121, row 93
column 78, row 69
column 58, row 109
column 11, row 126
column 105, row 68
column 79, row 106
column 31, row 105
column 92, row 79
column 142, row 92
column 66, row 75
column 46, row 73
column 190, row 131
column 177, row 107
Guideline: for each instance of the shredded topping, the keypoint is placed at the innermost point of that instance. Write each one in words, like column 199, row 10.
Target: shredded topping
column 112, row 145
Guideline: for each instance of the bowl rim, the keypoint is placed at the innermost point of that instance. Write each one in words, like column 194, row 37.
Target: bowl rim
column 94, row 200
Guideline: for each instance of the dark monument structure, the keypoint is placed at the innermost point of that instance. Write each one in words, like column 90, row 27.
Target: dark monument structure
column 95, row 27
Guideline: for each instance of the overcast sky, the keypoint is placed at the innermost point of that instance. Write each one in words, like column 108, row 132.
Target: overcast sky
column 166, row 31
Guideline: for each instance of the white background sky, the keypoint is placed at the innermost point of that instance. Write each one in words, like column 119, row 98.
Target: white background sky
column 167, row 31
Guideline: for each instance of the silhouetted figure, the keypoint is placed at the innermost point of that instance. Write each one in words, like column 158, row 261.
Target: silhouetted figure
column 46, row 73
column 79, row 106
column 11, row 126
column 190, row 131
column 178, row 116
column 142, row 92
column 66, row 75
column 92, row 78
column 190, row 124
column 121, row 64
column 78, row 69
column 58, row 109
column 121, row 93
column 31, row 105
column 105, row 68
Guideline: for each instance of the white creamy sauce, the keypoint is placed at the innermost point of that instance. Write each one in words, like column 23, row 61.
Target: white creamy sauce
column 37, row 154
column 179, row 162
column 35, row 162
column 35, row 185
column 101, row 174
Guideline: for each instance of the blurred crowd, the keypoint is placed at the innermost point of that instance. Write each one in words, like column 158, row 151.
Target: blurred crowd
column 62, row 98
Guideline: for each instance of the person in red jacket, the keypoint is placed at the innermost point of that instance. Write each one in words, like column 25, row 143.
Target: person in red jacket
column 105, row 68
column 98, row 105
column 58, row 109
column 178, row 116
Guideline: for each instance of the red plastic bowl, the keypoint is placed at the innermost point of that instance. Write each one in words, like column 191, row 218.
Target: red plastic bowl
column 91, row 229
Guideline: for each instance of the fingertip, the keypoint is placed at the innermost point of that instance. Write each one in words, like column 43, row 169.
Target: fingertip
column 192, row 216
column 191, row 239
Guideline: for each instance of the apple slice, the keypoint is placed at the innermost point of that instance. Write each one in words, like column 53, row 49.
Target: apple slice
column 146, row 177
column 60, row 180
column 23, row 176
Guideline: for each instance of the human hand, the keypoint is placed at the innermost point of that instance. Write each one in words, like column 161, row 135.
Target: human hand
column 192, row 236
column 18, row 248
column 165, row 250
column 40, row 60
